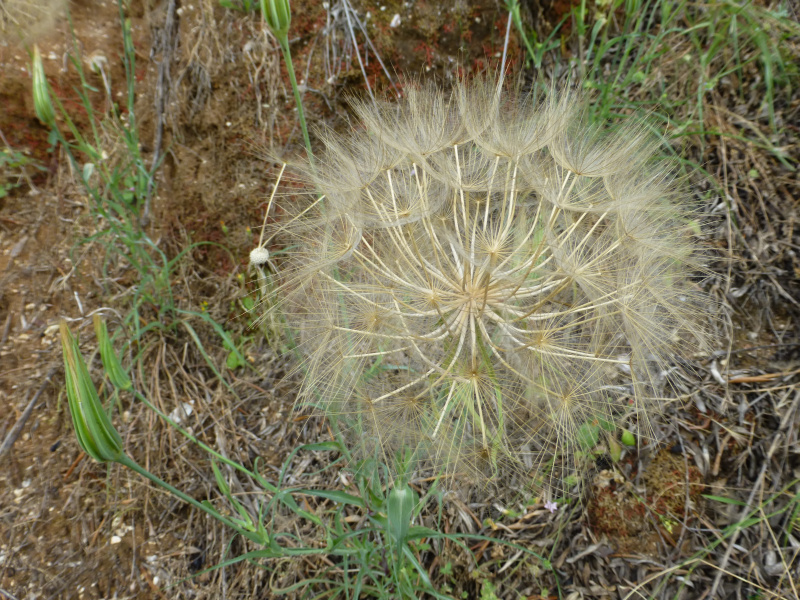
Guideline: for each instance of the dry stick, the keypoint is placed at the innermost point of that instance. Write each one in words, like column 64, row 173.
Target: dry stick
column 7, row 15
column 787, row 573
column 7, row 595
column 269, row 205
column 17, row 429
column 358, row 54
column 728, row 324
column 167, row 43
column 374, row 50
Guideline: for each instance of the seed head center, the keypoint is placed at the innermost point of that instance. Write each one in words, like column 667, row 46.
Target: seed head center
column 477, row 294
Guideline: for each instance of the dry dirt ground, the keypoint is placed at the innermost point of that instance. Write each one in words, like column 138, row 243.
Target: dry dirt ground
column 211, row 85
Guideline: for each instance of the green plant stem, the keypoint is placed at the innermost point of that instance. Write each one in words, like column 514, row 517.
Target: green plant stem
column 287, row 57
column 265, row 484
column 513, row 8
column 125, row 461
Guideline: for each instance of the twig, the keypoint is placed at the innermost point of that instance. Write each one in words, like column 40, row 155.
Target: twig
column 358, row 54
column 6, row 595
column 505, row 53
column 762, row 378
column 17, row 429
column 167, row 46
column 374, row 51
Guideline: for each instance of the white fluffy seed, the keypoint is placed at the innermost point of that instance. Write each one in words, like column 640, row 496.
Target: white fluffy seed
column 259, row 256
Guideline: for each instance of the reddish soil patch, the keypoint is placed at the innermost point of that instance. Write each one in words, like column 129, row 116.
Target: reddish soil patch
column 638, row 522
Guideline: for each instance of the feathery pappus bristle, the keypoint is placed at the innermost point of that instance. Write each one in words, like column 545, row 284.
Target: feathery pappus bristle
column 475, row 277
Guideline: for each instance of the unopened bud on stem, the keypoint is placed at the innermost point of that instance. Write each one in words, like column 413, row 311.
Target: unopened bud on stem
column 42, row 103
column 96, row 435
column 113, row 368
column 278, row 15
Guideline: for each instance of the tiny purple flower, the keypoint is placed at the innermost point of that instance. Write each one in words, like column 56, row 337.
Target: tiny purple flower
column 551, row 506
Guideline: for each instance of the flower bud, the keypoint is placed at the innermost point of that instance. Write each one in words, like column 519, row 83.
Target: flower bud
column 402, row 500
column 119, row 378
column 41, row 92
column 278, row 16
column 96, row 435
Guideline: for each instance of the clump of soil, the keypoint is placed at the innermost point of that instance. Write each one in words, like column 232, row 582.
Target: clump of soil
column 635, row 522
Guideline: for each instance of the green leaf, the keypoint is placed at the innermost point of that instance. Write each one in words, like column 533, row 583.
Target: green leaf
column 588, row 435
column 725, row 500
column 338, row 496
column 614, row 450
column 246, row 521
column 234, row 361
column 488, row 591
column 607, row 425
column 248, row 303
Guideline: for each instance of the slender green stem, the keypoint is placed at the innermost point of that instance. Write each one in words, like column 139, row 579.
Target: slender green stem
column 125, row 461
column 231, row 463
column 287, row 57
column 513, row 9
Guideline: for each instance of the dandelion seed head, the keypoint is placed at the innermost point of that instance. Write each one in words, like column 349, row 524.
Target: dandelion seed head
column 487, row 275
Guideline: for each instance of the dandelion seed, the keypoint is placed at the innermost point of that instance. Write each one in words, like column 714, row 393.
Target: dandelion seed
column 486, row 278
